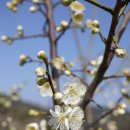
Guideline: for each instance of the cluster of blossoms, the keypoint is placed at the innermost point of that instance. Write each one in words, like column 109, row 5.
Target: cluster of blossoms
column 77, row 9
column 78, row 14
column 42, row 81
column 35, row 126
column 69, row 115
column 112, row 125
column 65, row 118
column 95, row 64
column 59, row 64
column 9, row 40
column 8, row 124
column 120, row 109
column 93, row 26
column 63, row 25
column 13, row 5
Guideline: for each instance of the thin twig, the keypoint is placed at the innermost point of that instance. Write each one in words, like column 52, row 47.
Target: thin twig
column 108, row 112
column 94, row 2
column 114, row 76
column 63, row 32
column 30, row 36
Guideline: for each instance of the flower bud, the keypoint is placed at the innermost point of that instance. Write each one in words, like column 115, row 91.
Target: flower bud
column 4, row 38
column 124, row 93
column 22, row 59
column 14, row 9
column 77, row 6
column 14, row 37
column 15, row 2
column 40, row 71
column 32, row 9
column 9, row 41
column 33, row 112
column 41, row 80
column 66, row 2
column 59, row 29
column 96, row 23
column 64, row 24
column 89, row 23
column 120, row 52
column 58, row 96
column 32, row 126
column 41, row 55
column 19, row 28
column 95, row 30
column 67, row 72
column 35, row 1
column 9, row 5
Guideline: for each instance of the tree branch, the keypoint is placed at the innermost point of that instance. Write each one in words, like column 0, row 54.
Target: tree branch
column 30, row 36
column 108, row 55
column 114, row 76
column 103, row 115
column 52, row 37
column 94, row 2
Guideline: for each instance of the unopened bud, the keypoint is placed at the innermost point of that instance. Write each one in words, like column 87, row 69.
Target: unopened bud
column 9, row 41
column 40, row 71
column 33, row 112
column 58, row 96
column 22, row 59
column 41, row 55
column 59, row 29
column 66, row 2
column 19, row 28
column 95, row 30
column 32, row 126
column 120, row 52
column 4, row 38
column 64, row 24
column 14, row 9
column 32, row 9
column 96, row 23
column 35, row 1
column 15, row 2
column 9, row 5
column 41, row 80
column 89, row 23
column 67, row 72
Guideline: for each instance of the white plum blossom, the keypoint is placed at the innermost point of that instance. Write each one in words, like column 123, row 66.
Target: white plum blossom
column 74, row 92
column 65, row 118
column 43, row 124
column 45, row 90
column 32, row 126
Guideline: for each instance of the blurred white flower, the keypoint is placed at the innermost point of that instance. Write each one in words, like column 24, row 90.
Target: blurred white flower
column 43, row 124
column 58, row 63
column 32, row 126
column 75, row 118
column 66, row 118
column 74, row 92
column 4, row 38
column 45, row 90
column 77, row 6
column 77, row 18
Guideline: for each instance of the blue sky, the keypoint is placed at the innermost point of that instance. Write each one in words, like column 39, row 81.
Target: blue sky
column 11, row 73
